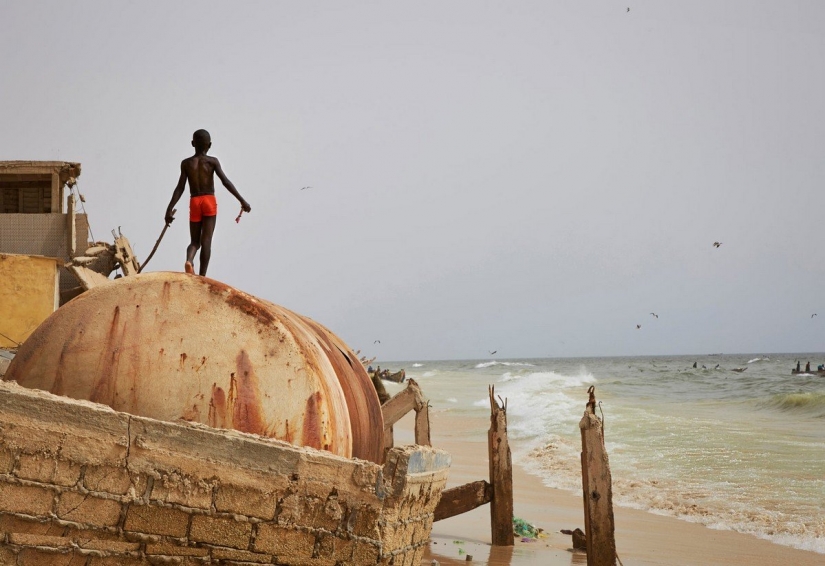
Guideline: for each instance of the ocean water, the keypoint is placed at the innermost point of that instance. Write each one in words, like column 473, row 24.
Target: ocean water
column 741, row 451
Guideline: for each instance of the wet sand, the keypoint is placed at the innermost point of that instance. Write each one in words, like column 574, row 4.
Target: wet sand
column 641, row 538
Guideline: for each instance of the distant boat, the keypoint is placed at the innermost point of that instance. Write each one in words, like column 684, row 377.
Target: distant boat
column 397, row 377
column 820, row 372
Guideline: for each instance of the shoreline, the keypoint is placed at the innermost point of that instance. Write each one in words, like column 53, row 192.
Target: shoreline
column 642, row 538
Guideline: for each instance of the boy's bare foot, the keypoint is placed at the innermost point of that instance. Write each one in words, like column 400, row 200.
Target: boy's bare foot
column 189, row 268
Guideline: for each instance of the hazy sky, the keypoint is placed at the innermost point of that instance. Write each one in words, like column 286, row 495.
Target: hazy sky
column 527, row 177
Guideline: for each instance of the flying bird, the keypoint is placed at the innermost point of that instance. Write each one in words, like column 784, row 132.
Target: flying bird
column 377, row 342
column 717, row 244
column 628, row 9
column 493, row 352
column 813, row 315
column 654, row 314
column 638, row 326
column 305, row 188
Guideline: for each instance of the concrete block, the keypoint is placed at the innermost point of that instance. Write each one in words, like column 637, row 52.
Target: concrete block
column 23, row 539
column 285, row 543
column 115, row 561
column 365, row 553
column 241, row 556
column 6, row 460
column 336, row 548
column 363, row 521
column 26, row 499
column 183, row 490
column 15, row 524
column 246, row 501
column 156, row 520
column 170, row 549
column 222, row 531
column 115, row 546
column 89, row 510
column 44, row 557
column 107, row 479
column 44, row 469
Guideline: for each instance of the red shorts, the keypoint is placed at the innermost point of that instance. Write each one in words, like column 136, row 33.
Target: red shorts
column 204, row 205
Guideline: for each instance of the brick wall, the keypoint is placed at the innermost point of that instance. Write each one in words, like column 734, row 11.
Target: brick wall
column 81, row 484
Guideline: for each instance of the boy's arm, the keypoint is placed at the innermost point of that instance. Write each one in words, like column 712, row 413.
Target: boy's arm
column 176, row 195
column 230, row 187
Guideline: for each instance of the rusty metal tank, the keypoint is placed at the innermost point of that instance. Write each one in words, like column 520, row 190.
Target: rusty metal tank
column 175, row 346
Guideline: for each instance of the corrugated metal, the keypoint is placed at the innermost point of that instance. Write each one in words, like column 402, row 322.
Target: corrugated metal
column 174, row 346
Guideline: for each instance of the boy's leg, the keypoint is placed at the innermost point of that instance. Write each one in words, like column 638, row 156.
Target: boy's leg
column 207, row 230
column 195, row 229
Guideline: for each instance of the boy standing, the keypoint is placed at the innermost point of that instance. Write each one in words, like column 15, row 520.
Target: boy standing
column 203, row 208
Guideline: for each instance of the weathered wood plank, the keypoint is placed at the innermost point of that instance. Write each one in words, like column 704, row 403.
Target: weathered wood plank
column 422, row 426
column 463, row 498
column 501, row 474
column 597, row 489
column 398, row 406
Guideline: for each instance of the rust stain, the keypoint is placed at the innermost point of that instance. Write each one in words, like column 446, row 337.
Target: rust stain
column 103, row 389
column 245, row 398
column 217, row 408
column 312, row 426
column 250, row 307
column 192, row 414
column 288, row 434
column 362, row 400
column 182, row 360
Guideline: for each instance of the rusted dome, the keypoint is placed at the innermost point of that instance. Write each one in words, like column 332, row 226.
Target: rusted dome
column 174, row 346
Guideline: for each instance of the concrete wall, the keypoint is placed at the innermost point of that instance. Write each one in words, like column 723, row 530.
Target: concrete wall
column 81, row 484
column 45, row 235
column 28, row 294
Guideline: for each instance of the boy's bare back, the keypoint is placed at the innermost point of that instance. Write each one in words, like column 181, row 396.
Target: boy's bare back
column 199, row 171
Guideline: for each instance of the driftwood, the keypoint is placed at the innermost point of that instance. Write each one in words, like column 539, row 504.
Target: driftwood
column 501, row 474
column 410, row 399
column 463, row 498
column 597, row 489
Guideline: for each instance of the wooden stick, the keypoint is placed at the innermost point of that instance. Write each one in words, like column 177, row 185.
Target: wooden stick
column 162, row 233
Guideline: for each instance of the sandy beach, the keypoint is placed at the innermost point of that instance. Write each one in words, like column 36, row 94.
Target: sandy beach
column 641, row 538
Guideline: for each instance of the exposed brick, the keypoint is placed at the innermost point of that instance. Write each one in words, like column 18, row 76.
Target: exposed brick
column 108, row 479
column 285, row 543
column 88, row 509
column 221, row 531
column 183, row 490
column 15, row 524
column 109, row 545
column 338, row 549
column 47, row 470
column 115, row 561
column 24, row 539
column 364, row 521
column 246, row 501
column 241, row 556
column 6, row 460
column 25, row 499
column 156, row 520
column 170, row 549
column 7, row 556
column 42, row 557
column 365, row 553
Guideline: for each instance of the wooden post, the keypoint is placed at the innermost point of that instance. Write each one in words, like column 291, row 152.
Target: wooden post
column 501, row 474
column 72, row 226
column 422, row 424
column 596, row 489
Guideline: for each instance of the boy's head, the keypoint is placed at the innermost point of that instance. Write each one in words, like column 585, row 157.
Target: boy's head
column 201, row 140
